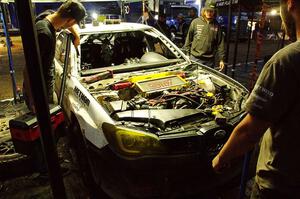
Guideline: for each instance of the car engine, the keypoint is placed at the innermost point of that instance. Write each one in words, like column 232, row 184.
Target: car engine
column 162, row 100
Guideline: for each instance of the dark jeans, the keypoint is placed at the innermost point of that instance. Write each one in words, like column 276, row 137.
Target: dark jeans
column 267, row 193
column 38, row 158
column 207, row 62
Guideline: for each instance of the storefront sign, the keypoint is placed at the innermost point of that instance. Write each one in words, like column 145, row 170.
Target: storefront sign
column 221, row 3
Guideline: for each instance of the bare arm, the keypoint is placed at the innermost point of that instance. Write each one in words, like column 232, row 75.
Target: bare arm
column 243, row 138
column 74, row 30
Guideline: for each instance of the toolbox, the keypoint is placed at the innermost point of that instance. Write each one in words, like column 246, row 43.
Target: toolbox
column 25, row 131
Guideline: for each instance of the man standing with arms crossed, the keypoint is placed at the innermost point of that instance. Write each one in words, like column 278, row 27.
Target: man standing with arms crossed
column 273, row 113
column 205, row 38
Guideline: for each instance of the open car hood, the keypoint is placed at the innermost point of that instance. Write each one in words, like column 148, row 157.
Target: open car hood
column 166, row 97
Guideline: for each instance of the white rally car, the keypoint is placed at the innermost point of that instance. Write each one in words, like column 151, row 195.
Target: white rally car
column 144, row 120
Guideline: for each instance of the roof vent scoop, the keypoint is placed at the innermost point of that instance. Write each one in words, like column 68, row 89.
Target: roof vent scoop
column 150, row 57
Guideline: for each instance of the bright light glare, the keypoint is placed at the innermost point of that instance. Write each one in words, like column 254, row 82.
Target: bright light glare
column 156, row 17
column 197, row 2
column 273, row 12
column 95, row 15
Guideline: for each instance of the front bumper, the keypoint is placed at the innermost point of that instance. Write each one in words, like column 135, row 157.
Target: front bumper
column 157, row 177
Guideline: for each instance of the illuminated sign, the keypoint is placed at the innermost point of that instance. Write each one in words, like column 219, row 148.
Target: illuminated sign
column 220, row 3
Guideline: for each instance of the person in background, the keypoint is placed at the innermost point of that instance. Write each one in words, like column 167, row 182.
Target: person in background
column 162, row 26
column 148, row 17
column 193, row 13
column 68, row 15
column 205, row 38
column 273, row 111
column 182, row 30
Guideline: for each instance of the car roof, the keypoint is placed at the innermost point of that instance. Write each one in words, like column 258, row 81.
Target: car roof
column 122, row 27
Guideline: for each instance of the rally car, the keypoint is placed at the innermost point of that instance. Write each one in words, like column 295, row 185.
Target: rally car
column 145, row 121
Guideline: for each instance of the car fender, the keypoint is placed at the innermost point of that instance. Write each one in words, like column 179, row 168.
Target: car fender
column 89, row 114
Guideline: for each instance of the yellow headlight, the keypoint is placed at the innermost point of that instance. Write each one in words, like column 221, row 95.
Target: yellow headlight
column 132, row 142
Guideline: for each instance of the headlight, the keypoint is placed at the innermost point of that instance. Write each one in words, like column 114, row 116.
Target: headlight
column 131, row 142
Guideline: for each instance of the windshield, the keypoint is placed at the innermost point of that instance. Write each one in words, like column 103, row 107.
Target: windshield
column 125, row 48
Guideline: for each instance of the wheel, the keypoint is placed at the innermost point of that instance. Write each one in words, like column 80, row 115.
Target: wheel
column 11, row 163
column 81, row 159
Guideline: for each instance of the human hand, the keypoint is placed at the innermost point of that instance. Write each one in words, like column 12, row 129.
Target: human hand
column 218, row 166
column 221, row 65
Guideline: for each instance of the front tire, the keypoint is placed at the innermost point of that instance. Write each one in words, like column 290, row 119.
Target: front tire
column 82, row 161
column 11, row 162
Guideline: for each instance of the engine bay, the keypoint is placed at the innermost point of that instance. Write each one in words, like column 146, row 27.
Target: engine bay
column 165, row 100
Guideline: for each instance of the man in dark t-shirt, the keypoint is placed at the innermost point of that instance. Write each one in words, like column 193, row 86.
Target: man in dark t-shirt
column 273, row 114
column 70, row 13
column 161, row 25
column 47, row 24
column 182, row 29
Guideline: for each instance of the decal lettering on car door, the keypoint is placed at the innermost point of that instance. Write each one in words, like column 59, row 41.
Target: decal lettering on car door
column 83, row 99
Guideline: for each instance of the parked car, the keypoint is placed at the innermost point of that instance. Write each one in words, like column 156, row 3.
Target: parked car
column 144, row 120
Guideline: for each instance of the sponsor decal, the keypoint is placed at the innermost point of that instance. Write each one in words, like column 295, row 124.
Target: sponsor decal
column 82, row 98
column 264, row 90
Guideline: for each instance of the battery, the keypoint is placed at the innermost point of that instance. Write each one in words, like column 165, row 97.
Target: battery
column 25, row 131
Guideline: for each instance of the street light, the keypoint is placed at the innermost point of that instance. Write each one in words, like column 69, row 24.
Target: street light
column 95, row 19
column 95, row 15
column 273, row 12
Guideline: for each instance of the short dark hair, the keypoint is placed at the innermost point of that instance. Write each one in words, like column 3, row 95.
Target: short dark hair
column 72, row 9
